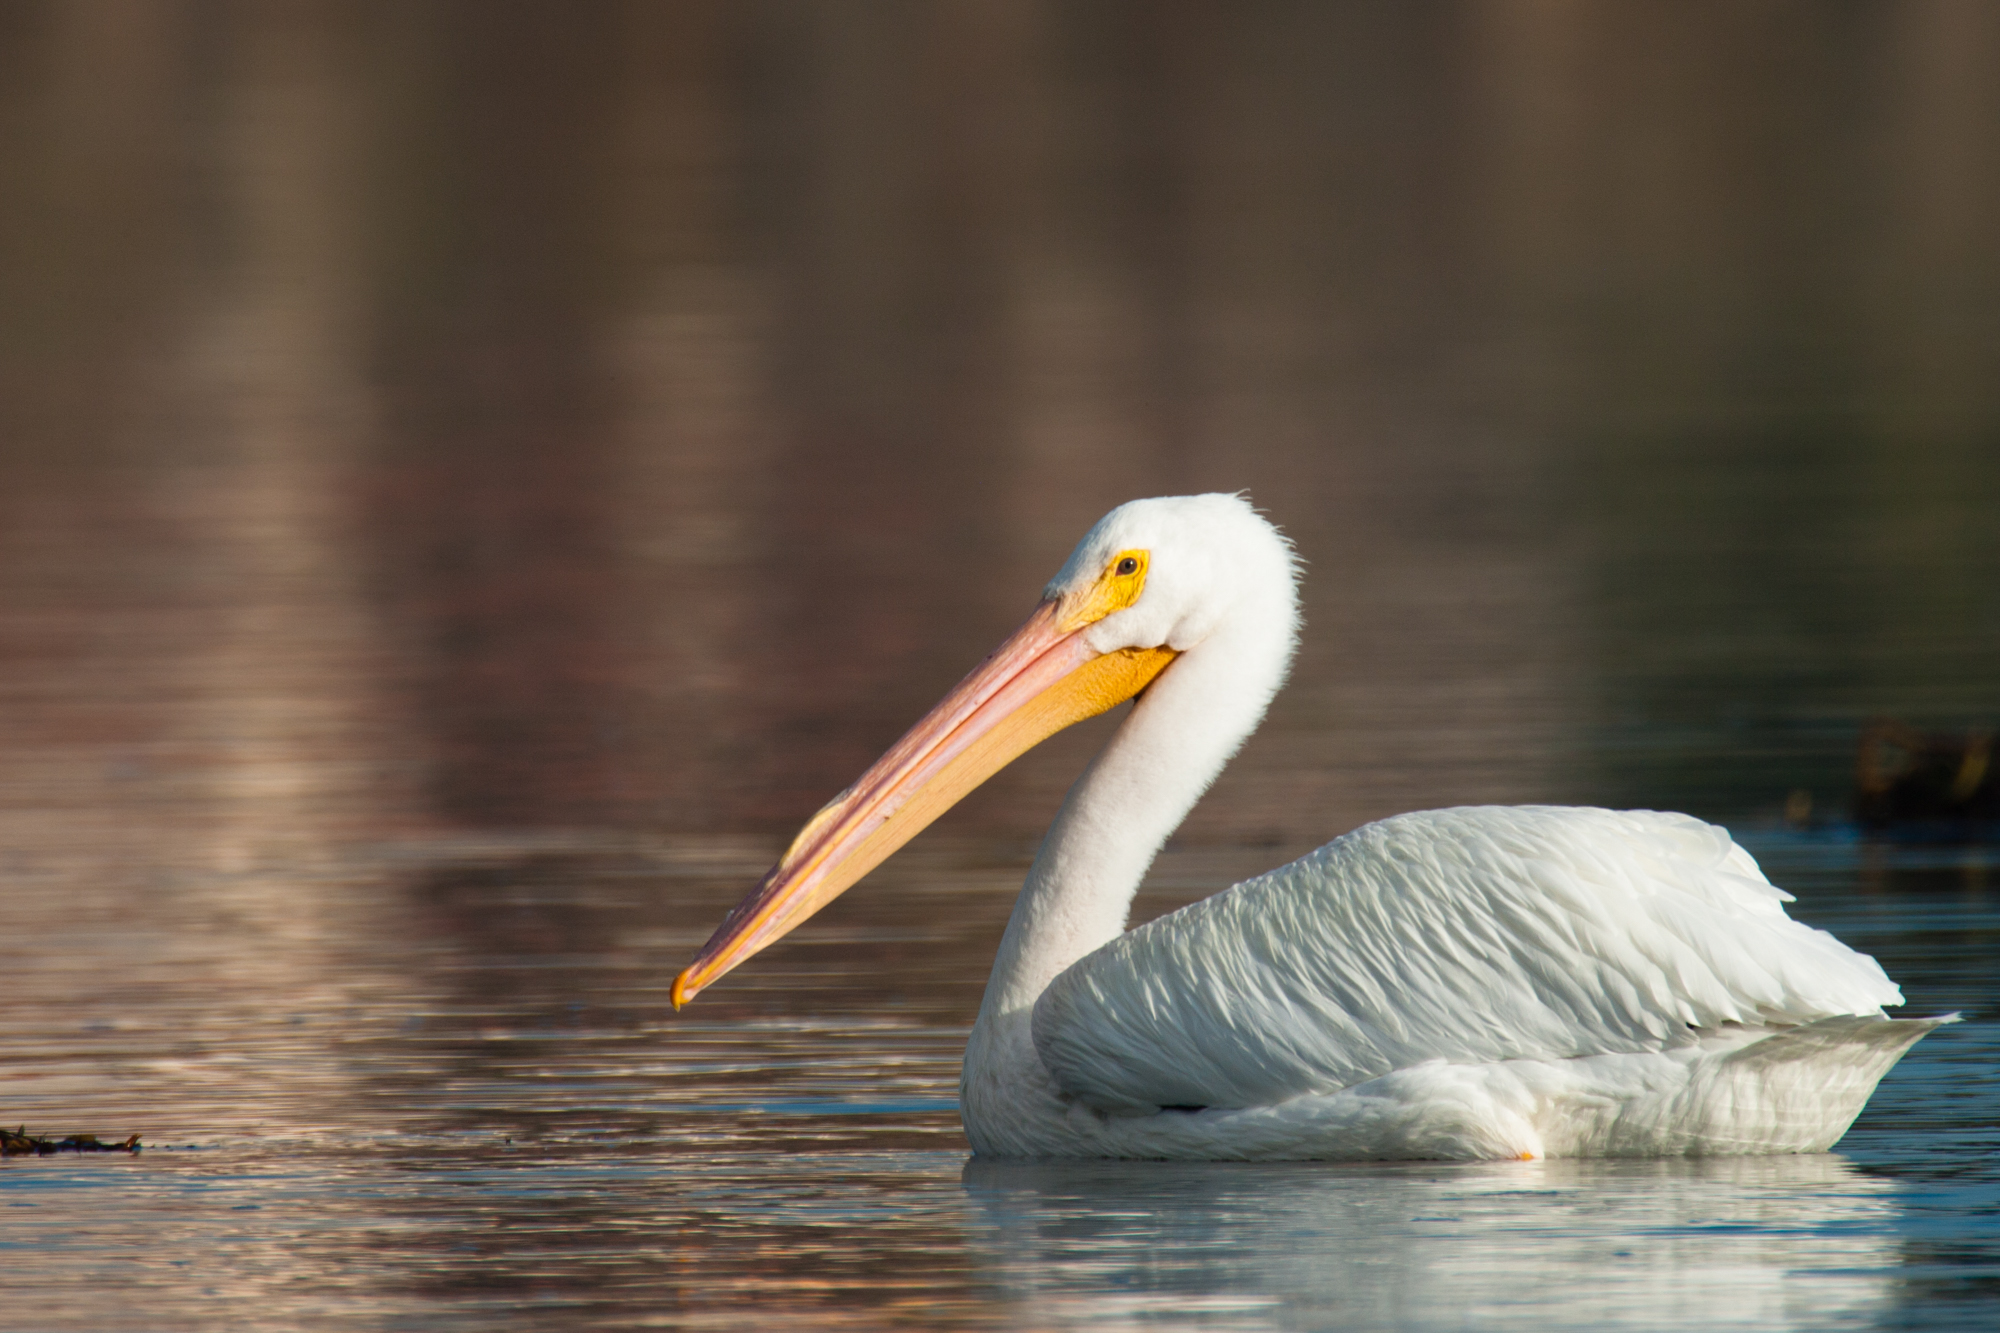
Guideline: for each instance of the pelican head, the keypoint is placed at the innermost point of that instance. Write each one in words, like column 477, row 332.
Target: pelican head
column 1150, row 583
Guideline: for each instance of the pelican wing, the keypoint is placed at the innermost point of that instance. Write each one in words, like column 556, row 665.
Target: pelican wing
column 1471, row 935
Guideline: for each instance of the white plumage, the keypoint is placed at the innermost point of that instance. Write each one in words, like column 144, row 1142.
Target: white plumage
column 1481, row 982
column 1484, row 982
column 1472, row 936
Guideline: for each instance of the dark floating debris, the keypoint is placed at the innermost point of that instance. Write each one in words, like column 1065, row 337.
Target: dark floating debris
column 1930, row 785
column 20, row 1143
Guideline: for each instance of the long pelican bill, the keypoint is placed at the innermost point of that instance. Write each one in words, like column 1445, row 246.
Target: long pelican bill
column 1042, row 679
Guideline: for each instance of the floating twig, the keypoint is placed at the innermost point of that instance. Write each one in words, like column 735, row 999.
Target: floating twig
column 20, row 1143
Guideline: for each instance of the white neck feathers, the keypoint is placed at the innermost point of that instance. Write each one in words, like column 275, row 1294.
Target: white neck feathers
column 1178, row 737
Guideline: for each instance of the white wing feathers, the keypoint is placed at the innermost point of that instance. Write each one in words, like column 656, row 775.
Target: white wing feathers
column 1479, row 934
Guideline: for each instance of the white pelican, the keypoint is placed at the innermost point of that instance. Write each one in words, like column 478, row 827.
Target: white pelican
column 1487, row 982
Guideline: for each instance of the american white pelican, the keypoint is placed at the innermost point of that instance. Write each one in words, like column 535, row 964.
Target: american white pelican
column 1484, row 982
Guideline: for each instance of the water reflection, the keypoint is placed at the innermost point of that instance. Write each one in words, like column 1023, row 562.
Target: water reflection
column 1790, row 1242
column 456, row 1095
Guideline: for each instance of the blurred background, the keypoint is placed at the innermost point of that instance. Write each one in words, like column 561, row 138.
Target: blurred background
column 429, row 417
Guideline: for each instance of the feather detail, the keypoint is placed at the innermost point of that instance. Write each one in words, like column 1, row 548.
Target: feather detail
column 1475, row 935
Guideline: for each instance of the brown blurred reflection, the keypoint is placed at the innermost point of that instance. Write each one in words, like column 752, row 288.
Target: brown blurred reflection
column 497, row 416
column 628, row 417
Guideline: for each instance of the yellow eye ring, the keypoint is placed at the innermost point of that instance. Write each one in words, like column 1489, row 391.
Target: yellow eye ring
column 1124, row 578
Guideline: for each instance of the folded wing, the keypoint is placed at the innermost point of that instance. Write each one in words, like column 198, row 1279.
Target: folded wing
column 1471, row 935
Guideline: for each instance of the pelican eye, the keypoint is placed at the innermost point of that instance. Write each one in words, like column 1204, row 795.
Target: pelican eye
column 1118, row 587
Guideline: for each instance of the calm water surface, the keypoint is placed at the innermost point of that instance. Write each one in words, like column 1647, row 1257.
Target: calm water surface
column 474, row 478
column 365, row 1125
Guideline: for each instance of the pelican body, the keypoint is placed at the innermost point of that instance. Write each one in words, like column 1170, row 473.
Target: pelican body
column 1487, row 982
